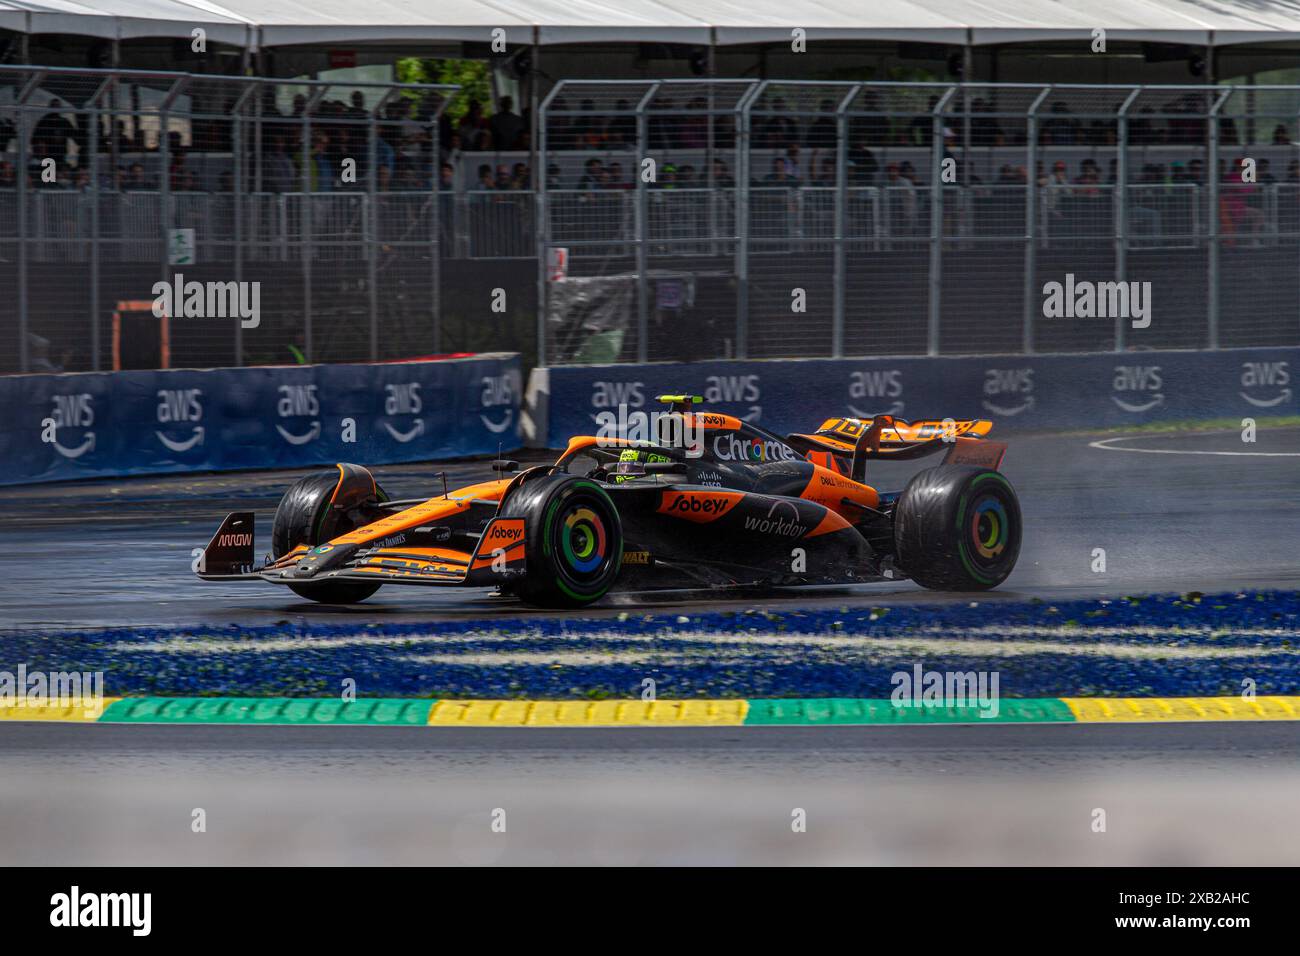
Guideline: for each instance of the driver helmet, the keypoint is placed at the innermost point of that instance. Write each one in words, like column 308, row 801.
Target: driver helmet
column 638, row 455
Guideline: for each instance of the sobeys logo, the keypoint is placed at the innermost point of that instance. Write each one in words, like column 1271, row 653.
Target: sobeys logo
column 505, row 532
column 706, row 506
column 698, row 505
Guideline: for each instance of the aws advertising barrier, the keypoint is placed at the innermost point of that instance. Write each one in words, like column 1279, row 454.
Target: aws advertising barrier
column 1025, row 392
column 87, row 425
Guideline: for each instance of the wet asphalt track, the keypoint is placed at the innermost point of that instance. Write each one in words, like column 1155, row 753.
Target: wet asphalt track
column 1174, row 512
column 1191, row 794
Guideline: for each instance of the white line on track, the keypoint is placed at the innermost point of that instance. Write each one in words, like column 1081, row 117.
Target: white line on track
column 1105, row 445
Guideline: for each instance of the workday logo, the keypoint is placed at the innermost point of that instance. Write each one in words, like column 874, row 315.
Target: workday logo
column 180, row 405
column 1265, row 384
column 70, row 412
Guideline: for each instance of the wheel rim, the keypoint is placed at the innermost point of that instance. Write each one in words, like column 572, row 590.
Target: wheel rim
column 582, row 536
column 990, row 528
column 584, row 541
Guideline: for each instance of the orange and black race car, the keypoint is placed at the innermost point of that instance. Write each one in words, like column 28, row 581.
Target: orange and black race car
column 708, row 500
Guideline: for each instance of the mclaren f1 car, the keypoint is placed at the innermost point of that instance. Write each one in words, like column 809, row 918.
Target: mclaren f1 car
column 707, row 500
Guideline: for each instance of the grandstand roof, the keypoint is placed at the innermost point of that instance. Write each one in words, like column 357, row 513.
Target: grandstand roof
column 278, row 22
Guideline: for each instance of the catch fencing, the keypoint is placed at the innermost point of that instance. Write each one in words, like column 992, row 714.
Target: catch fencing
column 323, row 196
column 697, row 219
column 655, row 220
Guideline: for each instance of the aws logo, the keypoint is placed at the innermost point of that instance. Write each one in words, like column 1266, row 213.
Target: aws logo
column 299, row 401
column 1137, row 388
column 743, row 389
column 403, row 399
column 182, row 405
column 234, row 540
column 70, row 412
column 1273, row 376
column 499, row 391
column 876, row 385
column 614, row 394
column 1008, row 391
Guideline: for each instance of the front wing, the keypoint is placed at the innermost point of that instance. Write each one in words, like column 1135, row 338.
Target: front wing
column 497, row 556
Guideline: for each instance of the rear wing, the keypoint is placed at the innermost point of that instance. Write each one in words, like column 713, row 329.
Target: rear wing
column 886, row 437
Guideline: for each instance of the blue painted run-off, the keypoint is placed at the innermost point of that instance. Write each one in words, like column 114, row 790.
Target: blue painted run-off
column 1150, row 646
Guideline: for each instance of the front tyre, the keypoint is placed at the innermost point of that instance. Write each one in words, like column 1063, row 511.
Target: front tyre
column 957, row 528
column 573, row 540
column 304, row 517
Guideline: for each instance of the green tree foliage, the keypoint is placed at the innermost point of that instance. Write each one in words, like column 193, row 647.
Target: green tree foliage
column 470, row 75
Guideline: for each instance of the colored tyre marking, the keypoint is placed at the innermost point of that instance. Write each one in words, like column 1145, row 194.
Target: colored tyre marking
column 974, row 529
column 583, row 540
column 580, row 584
column 989, row 527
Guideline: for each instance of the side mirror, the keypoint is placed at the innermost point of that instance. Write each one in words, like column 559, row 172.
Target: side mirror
column 504, row 465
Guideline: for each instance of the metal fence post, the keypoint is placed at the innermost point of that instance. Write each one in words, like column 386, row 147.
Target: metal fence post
column 24, row 162
column 371, row 199
column 841, row 199
column 1212, row 228
column 1031, row 223
column 936, row 222
column 642, row 226
column 742, row 217
column 1120, row 207
column 543, row 222
column 237, row 193
column 165, row 181
column 306, row 219
column 435, row 192
column 92, row 145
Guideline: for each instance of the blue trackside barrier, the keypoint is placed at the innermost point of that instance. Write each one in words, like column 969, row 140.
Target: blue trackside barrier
column 1017, row 392
column 87, row 425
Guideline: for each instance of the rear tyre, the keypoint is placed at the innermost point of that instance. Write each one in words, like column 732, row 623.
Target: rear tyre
column 573, row 540
column 957, row 528
column 304, row 516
